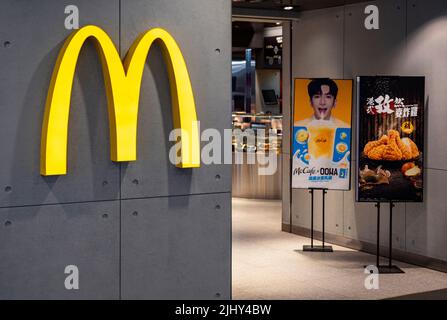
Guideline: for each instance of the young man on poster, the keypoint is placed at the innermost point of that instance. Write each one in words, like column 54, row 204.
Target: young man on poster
column 321, row 157
column 323, row 98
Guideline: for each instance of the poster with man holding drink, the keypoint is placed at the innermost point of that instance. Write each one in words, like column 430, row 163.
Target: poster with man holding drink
column 322, row 133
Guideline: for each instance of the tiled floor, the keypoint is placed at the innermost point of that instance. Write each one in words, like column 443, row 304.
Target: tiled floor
column 269, row 263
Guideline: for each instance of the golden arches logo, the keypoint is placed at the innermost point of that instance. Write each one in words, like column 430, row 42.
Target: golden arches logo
column 122, row 83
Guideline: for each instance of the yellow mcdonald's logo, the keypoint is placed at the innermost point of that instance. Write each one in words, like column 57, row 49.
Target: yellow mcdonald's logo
column 122, row 83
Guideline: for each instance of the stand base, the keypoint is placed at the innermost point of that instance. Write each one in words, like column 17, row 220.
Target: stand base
column 386, row 269
column 318, row 248
column 389, row 270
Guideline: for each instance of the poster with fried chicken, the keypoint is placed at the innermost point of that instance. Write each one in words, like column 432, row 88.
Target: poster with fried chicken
column 322, row 133
column 390, row 139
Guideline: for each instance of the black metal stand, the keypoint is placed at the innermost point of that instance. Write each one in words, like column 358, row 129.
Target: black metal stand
column 390, row 268
column 313, row 248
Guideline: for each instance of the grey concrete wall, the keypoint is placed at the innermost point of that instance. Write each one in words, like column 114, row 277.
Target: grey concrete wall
column 412, row 40
column 144, row 229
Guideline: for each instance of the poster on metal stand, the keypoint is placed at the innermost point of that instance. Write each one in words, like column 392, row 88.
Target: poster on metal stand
column 390, row 145
column 321, row 140
column 322, row 134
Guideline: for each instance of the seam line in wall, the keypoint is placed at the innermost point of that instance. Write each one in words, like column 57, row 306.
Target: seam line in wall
column 438, row 169
column 111, row 200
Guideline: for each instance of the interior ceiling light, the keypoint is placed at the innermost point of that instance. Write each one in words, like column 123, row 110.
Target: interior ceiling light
column 288, row 8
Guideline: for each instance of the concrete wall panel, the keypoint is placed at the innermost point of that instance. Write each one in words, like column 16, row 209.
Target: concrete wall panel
column 38, row 242
column 177, row 247
column 318, row 54
column 426, row 222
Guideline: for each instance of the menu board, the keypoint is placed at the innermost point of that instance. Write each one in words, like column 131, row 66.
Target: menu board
column 390, row 145
column 322, row 133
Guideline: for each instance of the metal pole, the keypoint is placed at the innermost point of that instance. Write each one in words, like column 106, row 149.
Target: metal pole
column 378, row 234
column 312, row 218
column 390, row 260
column 324, row 194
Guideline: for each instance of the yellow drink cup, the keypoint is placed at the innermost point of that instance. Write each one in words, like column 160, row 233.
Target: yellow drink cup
column 321, row 142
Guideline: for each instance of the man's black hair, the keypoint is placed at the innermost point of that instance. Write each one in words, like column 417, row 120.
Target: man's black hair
column 314, row 87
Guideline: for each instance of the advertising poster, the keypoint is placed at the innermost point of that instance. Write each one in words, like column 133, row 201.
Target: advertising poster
column 322, row 133
column 390, row 138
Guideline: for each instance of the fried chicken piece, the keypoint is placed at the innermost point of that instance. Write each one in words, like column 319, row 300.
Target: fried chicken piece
column 408, row 148
column 374, row 144
column 407, row 153
column 413, row 147
column 405, row 149
column 392, row 151
column 377, row 152
column 393, row 134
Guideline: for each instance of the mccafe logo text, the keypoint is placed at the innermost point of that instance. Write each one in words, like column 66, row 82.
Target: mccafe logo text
column 122, row 82
column 312, row 171
column 306, row 170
